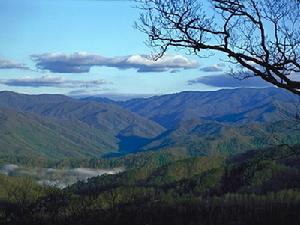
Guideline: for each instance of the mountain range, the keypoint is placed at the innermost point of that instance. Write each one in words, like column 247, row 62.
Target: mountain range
column 228, row 121
column 234, row 106
column 186, row 158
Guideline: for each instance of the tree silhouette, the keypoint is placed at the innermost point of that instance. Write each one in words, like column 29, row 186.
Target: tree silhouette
column 261, row 37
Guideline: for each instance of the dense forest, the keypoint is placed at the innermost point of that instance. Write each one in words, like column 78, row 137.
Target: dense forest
column 256, row 187
column 58, row 131
column 169, row 159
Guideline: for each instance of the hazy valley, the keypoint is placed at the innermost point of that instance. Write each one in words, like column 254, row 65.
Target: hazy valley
column 59, row 132
column 154, row 153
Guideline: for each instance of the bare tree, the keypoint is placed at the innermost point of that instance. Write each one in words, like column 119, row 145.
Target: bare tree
column 262, row 37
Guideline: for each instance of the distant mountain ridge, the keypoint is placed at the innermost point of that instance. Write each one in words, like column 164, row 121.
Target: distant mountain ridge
column 226, row 121
column 107, row 117
column 229, row 106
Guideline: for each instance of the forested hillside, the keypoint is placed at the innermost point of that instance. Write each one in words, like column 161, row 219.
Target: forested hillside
column 256, row 187
column 45, row 128
column 48, row 129
column 203, row 128
column 233, row 106
column 31, row 139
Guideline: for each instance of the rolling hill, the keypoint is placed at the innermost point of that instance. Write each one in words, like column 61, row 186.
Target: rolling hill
column 28, row 137
column 106, row 117
column 54, row 127
column 205, row 138
column 256, row 187
column 226, row 121
column 167, row 183
column 234, row 106
column 244, row 172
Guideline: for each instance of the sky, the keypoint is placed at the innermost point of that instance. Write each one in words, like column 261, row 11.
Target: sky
column 90, row 47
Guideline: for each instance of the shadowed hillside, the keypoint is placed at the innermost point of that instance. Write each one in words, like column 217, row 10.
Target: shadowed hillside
column 237, row 106
column 204, row 138
column 41, row 128
column 201, row 123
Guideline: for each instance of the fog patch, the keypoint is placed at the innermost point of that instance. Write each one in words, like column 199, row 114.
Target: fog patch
column 57, row 177
column 8, row 169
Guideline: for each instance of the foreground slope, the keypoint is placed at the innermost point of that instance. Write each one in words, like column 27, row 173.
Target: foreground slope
column 256, row 187
column 255, row 171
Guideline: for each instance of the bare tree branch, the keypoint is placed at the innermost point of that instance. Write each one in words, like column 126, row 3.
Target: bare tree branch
column 261, row 36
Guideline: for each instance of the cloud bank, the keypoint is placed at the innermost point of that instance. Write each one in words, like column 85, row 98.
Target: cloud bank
column 229, row 81
column 51, row 81
column 82, row 62
column 7, row 64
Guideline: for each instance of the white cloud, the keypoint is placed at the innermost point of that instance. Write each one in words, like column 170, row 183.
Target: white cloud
column 82, row 62
column 7, row 64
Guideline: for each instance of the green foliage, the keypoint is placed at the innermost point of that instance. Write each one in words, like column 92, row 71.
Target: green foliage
column 25, row 136
column 202, row 138
column 49, row 130
column 231, row 106
column 183, row 179
column 256, row 187
column 20, row 190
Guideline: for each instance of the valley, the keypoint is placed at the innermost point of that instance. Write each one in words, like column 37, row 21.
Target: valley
column 157, row 155
column 46, row 129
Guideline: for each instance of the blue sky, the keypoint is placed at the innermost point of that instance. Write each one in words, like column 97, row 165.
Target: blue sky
column 41, row 39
